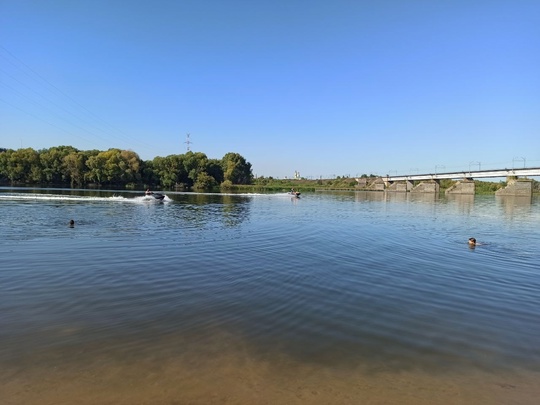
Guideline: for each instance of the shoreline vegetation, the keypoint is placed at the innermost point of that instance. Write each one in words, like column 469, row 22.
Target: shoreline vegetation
column 66, row 166
column 351, row 184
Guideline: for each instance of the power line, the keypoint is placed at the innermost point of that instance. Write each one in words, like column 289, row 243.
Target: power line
column 52, row 103
column 48, row 86
column 51, row 112
column 41, row 119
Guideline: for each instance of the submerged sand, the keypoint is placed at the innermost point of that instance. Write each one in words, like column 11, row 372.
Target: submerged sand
column 224, row 371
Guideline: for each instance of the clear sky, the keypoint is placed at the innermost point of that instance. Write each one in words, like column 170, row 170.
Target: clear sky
column 320, row 87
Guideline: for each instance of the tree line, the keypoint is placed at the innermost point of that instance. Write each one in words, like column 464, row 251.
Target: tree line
column 68, row 166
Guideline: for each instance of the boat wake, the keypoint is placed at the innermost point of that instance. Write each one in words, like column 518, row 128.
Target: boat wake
column 77, row 198
column 152, row 199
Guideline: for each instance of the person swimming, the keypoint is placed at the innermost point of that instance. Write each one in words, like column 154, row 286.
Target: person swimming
column 71, row 223
column 472, row 241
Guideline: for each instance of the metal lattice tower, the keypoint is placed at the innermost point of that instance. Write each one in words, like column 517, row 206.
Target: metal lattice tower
column 188, row 142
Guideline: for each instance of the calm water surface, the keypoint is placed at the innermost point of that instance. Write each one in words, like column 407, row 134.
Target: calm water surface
column 215, row 285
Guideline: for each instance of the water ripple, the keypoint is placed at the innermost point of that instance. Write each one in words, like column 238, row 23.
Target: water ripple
column 346, row 277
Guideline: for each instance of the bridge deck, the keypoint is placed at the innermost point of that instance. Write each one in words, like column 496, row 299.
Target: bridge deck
column 531, row 171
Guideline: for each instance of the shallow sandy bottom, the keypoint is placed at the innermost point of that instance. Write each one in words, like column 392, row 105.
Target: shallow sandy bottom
column 230, row 373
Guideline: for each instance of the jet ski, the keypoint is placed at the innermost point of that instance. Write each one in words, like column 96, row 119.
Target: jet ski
column 157, row 196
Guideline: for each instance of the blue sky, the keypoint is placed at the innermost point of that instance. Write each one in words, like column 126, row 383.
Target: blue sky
column 320, row 87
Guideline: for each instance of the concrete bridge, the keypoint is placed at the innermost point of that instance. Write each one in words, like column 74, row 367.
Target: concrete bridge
column 429, row 182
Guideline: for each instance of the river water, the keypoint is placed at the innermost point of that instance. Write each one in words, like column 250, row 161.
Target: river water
column 331, row 298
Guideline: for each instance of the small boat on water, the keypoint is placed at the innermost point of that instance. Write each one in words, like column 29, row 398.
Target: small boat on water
column 157, row 196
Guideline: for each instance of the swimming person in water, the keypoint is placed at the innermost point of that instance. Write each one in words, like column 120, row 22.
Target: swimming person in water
column 472, row 242
column 71, row 223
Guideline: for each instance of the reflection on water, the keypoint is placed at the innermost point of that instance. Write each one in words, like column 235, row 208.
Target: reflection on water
column 461, row 199
column 212, row 298
column 425, row 197
column 515, row 205
column 208, row 210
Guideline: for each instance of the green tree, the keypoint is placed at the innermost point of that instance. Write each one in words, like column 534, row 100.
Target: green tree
column 23, row 165
column 115, row 166
column 112, row 168
column 75, row 168
column 204, row 182
column 195, row 164
column 170, row 170
column 52, row 162
column 4, row 164
column 130, row 167
column 148, row 173
column 236, row 169
column 68, row 165
column 214, row 169
column 96, row 166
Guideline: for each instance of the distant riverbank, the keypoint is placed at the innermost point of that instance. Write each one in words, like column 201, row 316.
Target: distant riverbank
column 269, row 184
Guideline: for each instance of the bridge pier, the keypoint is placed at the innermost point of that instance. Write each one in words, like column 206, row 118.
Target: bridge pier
column 516, row 187
column 465, row 186
column 399, row 186
column 378, row 185
column 430, row 186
